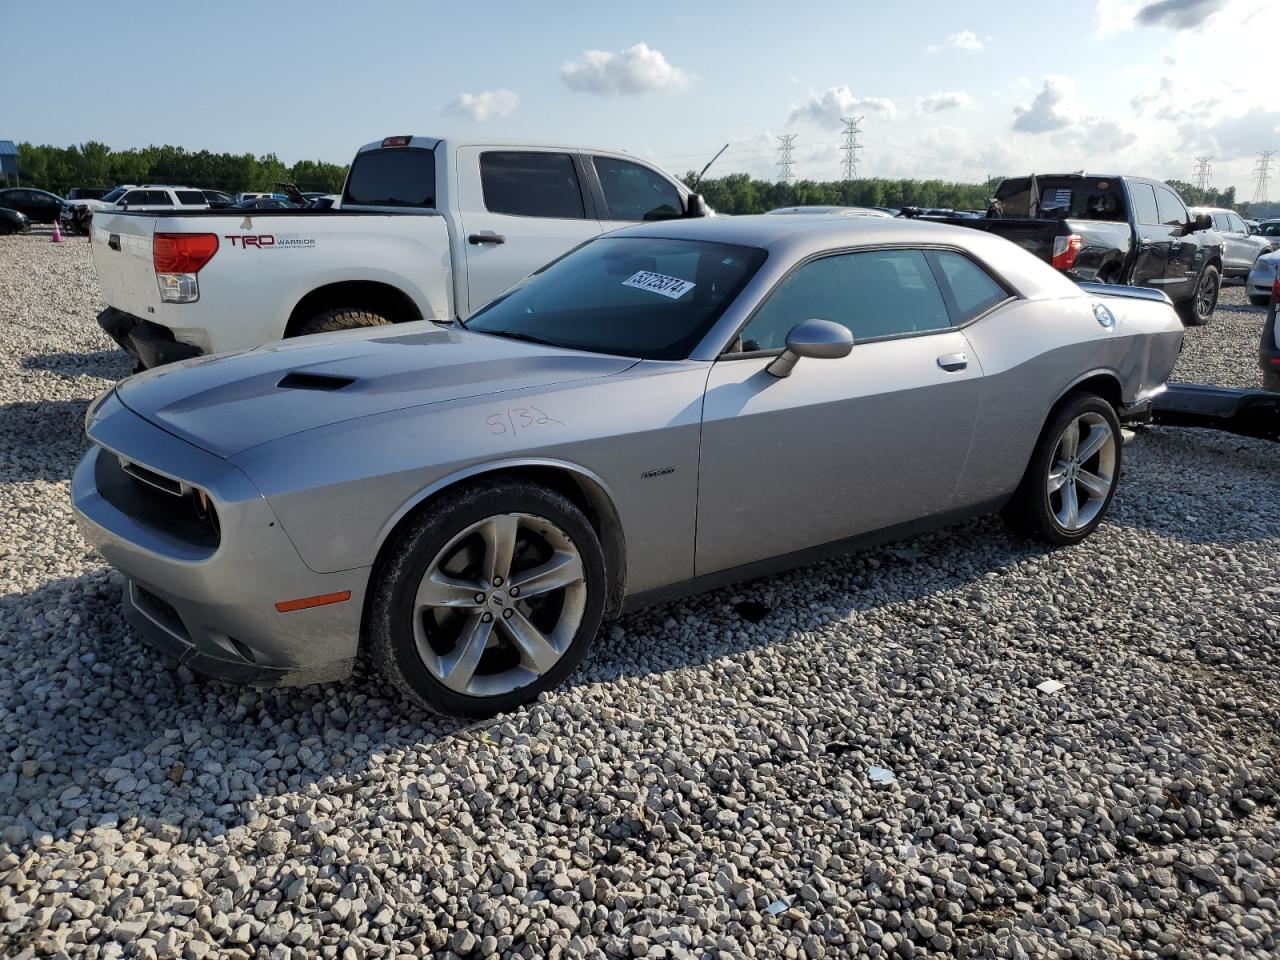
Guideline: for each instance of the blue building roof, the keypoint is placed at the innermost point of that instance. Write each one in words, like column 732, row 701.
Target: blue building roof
column 8, row 148
column 8, row 157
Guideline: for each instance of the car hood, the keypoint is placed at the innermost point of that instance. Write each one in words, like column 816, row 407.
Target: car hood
column 230, row 403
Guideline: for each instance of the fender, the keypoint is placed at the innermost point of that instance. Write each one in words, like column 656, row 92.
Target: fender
column 611, row 534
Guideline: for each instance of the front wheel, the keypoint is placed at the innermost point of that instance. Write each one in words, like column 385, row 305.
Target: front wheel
column 1072, row 476
column 1197, row 310
column 489, row 598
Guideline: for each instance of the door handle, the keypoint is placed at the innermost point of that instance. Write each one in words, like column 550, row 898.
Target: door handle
column 114, row 241
column 951, row 362
column 479, row 238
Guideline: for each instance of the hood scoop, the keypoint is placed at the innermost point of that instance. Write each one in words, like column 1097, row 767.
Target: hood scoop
column 325, row 383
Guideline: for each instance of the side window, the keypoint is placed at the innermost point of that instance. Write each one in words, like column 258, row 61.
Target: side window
column 133, row 196
column 633, row 192
column 1144, row 203
column 972, row 289
column 531, row 185
column 879, row 293
column 191, row 198
column 1222, row 223
column 1237, row 225
column 1172, row 212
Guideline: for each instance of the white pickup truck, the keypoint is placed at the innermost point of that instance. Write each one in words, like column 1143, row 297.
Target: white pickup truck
column 428, row 230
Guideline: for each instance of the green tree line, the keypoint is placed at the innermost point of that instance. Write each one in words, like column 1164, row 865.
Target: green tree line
column 92, row 164
column 738, row 193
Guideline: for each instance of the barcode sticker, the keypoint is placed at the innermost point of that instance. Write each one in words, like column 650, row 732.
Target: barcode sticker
column 672, row 287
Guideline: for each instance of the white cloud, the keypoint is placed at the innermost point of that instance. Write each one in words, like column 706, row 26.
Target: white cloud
column 1101, row 135
column 1235, row 137
column 964, row 40
column 826, row 108
column 1053, row 108
column 638, row 69
column 951, row 100
column 1178, row 14
column 486, row 105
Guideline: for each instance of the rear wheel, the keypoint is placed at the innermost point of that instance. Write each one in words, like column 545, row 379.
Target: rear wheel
column 340, row 318
column 488, row 599
column 1196, row 310
column 1073, row 473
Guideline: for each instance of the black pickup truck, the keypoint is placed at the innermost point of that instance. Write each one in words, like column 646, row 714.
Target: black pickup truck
column 1108, row 229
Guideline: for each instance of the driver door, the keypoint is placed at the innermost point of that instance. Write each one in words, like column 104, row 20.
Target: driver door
column 840, row 447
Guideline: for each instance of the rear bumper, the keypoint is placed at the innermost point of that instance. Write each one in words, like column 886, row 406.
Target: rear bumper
column 149, row 343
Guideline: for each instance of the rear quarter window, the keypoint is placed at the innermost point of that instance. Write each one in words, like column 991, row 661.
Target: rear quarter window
column 392, row 177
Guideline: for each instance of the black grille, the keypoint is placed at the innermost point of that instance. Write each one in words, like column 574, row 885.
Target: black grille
column 153, row 505
column 160, row 609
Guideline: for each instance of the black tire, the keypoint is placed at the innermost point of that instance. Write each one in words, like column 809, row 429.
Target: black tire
column 390, row 617
column 340, row 318
column 1271, row 380
column 1030, row 512
column 7, row 228
column 1198, row 308
column 1259, row 299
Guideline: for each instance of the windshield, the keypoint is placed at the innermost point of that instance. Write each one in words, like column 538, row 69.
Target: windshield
column 114, row 195
column 632, row 296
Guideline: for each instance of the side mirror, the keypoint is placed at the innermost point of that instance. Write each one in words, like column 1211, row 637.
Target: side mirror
column 695, row 206
column 1201, row 221
column 818, row 339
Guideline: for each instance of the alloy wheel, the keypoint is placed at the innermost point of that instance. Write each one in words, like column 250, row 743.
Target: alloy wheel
column 1206, row 296
column 499, row 605
column 1082, row 471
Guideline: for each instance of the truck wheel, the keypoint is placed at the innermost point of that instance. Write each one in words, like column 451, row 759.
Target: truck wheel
column 1072, row 475
column 487, row 599
column 1198, row 308
column 340, row 318
column 1259, row 299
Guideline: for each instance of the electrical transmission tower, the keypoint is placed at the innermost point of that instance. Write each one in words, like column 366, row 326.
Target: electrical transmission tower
column 1262, row 175
column 851, row 146
column 1204, row 166
column 786, row 158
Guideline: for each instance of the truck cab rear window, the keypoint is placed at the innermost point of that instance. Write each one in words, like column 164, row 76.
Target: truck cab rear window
column 393, row 177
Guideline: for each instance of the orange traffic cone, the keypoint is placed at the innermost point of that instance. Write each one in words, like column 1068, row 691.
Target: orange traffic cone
column 57, row 232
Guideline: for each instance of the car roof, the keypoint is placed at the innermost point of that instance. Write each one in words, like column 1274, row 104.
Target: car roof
column 797, row 237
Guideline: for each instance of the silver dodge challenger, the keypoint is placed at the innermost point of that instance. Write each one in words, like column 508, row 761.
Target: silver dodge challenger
column 667, row 408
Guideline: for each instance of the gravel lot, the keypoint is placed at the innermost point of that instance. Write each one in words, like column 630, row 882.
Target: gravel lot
column 702, row 788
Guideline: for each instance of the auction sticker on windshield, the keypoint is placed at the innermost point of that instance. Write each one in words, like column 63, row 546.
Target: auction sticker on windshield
column 672, row 287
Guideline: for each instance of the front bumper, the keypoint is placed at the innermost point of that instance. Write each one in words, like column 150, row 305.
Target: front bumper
column 149, row 343
column 209, row 600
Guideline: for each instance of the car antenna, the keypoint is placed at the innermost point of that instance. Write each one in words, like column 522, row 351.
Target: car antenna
column 698, row 179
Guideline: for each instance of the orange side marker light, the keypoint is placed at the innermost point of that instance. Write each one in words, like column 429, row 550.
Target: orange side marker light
column 306, row 603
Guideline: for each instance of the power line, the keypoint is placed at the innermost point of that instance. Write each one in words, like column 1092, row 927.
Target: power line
column 786, row 158
column 1262, row 175
column 851, row 146
column 1204, row 166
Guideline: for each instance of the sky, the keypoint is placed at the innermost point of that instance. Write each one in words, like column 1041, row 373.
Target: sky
column 950, row 90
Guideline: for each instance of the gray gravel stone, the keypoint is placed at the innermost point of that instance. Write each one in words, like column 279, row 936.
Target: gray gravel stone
column 708, row 761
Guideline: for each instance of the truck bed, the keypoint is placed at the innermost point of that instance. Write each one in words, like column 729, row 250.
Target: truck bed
column 266, row 262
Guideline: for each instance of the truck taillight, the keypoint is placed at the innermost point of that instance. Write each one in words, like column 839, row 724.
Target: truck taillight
column 182, row 252
column 396, row 141
column 1275, row 291
column 178, row 257
column 1065, row 250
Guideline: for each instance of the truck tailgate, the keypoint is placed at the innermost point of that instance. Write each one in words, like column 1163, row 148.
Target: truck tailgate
column 122, row 256
column 1035, row 236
